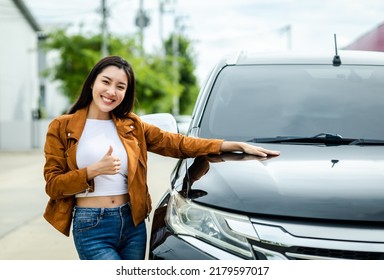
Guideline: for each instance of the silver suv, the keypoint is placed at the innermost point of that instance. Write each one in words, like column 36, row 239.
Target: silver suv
column 322, row 198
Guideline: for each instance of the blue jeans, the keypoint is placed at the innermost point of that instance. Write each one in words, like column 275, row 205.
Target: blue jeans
column 108, row 234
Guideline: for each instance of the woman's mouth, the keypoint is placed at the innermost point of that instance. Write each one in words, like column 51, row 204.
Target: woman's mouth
column 107, row 100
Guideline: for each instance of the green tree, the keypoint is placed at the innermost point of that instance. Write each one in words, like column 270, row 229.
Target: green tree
column 185, row 75
column 77, row 55
column 155, row 83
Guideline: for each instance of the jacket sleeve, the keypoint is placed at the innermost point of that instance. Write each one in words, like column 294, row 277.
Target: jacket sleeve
column 61, row 181
column 177, row 145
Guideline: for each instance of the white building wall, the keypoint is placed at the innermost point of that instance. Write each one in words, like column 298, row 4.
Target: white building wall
column 19, row 82
column 55, row 101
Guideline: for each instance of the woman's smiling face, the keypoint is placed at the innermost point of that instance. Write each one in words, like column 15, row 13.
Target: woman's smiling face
column 108, row 92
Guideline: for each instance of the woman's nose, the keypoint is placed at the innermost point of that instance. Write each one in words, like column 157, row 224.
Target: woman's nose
column 111, row 90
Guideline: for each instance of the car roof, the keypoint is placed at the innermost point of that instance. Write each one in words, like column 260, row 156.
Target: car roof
column 294, row 57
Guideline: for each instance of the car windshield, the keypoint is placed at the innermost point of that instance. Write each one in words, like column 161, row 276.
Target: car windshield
column 259, row 101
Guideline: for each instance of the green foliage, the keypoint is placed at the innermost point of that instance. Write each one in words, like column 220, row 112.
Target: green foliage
column 77, row 56
column 155, row 77
column 188, row 89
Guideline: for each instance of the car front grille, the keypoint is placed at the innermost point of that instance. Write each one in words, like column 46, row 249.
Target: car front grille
column 309, row 253
column 302, row 252
column 314, row 241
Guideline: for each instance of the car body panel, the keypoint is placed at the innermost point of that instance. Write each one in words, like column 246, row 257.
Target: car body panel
column 312, row 182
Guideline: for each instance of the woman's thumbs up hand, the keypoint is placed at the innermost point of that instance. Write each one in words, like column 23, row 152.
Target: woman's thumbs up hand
column 107, row 165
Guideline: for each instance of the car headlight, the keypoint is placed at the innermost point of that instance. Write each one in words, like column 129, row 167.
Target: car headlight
column 212, row 226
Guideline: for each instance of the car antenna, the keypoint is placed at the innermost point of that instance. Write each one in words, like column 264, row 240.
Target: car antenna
column 336, row 59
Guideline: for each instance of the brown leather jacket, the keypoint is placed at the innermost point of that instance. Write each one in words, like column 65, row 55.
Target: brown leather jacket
column 64, row 179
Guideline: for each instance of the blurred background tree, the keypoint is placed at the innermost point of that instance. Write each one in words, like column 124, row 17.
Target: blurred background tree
column 157, row 80
column 186, row 65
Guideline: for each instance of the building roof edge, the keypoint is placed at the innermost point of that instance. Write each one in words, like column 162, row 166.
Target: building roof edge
column 27, row 14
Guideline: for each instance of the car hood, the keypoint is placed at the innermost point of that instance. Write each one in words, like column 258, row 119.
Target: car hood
column 320, row 182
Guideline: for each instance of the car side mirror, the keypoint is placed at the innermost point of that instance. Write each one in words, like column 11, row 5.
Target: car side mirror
column 164, row 121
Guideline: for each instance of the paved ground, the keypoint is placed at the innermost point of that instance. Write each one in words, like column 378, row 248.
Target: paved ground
column 24, row 234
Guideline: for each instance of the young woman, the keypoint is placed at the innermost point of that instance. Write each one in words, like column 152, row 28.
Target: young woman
column 96, row 163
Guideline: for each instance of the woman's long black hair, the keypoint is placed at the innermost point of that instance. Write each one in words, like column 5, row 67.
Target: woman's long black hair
column 85, row 98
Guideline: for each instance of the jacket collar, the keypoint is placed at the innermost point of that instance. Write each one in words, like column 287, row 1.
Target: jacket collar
column 76, row 124
column 124, row 126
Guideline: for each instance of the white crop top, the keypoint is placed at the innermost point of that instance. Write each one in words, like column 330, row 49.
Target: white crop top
column 94, row 143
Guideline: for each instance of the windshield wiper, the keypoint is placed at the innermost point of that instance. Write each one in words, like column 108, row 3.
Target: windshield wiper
column 322, row 138
column 367, row 142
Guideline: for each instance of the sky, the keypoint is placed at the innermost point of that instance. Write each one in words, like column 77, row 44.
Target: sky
column 220, row 27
